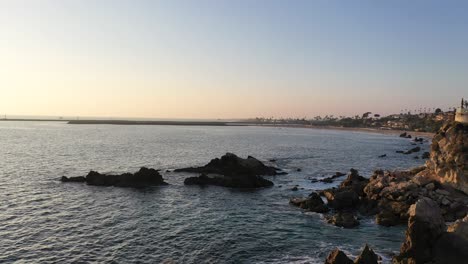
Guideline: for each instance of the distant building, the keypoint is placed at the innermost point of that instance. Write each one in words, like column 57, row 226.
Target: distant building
column 462, row 113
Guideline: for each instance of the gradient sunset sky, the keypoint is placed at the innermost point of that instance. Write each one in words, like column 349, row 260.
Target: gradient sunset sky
column 230, row 59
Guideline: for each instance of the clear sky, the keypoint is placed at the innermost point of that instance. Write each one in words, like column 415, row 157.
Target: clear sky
column 230, row 59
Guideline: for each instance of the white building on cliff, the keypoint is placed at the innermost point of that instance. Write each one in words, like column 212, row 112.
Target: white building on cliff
column 462, row 113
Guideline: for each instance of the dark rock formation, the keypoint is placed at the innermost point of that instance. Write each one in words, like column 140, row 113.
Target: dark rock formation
column 426, row 155
column 232, row 181
column 427, row 240
column 230, row 164
column 331, row 178
column 312, row 203
column 405, row 135
column 343, row 219
column 413, row 150
column 232, row 171
column 383, row 156
column 73, row 179
column 367, row 256
column 338, row 257
column 142, row 178
column 448, row 163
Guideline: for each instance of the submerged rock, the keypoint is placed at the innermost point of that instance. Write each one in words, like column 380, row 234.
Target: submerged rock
column 73, row 179
column 230, row 164
column 142, row 178
column 313, row 203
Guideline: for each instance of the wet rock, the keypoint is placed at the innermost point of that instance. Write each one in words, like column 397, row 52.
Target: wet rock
column 232, row 181
column 142, row 178
column 230, row 164
column 343, row 219
column 73, row 179
column 367, row 256
column 426, row 155
column 413, row 150
column 313, row 203
column 383, row 156
column 332, row 178
column 294, row 188
column 387, row 218
column 338, row 257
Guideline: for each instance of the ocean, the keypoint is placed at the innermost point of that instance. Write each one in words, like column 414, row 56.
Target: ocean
column 46, row 221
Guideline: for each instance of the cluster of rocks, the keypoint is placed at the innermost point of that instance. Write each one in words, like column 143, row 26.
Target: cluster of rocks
column 229, row 171
column 142, row 178
column 428, row 239
column 367, row 256
column 387, row 195
column 232, row 171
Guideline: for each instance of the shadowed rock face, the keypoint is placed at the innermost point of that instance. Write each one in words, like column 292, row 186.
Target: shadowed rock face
column 426, row 238
column 338, row 257
column 142, row 178
column 230, row 164
column 232, row 171
column 312, row 203
column 237, row 181
column 448, row 162
column 367, row 256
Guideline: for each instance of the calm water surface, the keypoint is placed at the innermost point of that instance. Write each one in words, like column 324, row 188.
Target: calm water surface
column 45, row 221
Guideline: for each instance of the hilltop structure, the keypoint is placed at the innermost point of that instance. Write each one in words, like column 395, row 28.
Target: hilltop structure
column 462, row 113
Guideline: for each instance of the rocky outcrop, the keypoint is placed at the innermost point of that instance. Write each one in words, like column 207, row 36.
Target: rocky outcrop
column 343, row 219
column 448, row 162
column 230, row 164
column 232, row 171
column 338, row 257
column 142, row 178
column 427, row 240
column 232, row 181
column 347, row 195
column 367, row 256
column 313, row 203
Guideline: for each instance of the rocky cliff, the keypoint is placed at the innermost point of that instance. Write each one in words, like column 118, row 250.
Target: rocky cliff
column 448, row 162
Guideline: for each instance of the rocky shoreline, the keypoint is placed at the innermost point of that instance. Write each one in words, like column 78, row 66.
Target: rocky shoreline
column 424, row 198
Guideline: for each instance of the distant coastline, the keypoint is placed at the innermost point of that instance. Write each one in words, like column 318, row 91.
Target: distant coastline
column 227, row 123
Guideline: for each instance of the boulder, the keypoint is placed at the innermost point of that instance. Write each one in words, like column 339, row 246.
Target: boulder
column 367, row 256
column 230, row 164
column 338, row 257
column 343, row 219
column 313, row 203
column 425, row 226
